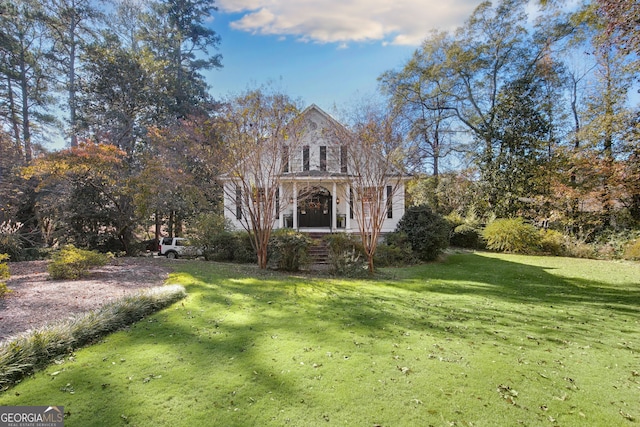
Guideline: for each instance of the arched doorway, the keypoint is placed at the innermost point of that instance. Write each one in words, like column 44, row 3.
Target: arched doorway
column 314, row 208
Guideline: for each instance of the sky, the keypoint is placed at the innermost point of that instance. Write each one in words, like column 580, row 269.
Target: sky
column 325, row 52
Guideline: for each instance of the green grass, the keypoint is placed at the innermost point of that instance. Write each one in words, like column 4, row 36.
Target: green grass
column 479, row 340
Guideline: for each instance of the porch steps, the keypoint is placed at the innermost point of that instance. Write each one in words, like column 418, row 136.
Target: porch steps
column 319, row 249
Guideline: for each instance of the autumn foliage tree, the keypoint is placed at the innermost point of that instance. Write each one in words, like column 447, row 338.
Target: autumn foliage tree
column 177, row 177
column 83, row 191
column 255, row 128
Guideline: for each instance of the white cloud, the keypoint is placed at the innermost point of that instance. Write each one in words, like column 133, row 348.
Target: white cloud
column 405, row 22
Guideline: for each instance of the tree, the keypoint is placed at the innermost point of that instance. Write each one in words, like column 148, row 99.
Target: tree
column 119, row 95
column 24, row 50
column 70, row 23
column 10, row 181
column 518, row 176
column 174, row 31
column 420, row 97
column 174, row 165
column 255, row 128
column 82, row 189
column 453, row 81
column 486, row 52
column 375, row 160
column 621, row 24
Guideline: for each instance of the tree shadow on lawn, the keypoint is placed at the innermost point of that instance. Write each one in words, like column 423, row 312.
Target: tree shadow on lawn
column 513, row 282
column 466, row 295
column 475, row 288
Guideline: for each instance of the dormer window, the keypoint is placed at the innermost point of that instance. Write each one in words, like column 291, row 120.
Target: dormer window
column 305, row 158
column 343, row 159
column 323, row 158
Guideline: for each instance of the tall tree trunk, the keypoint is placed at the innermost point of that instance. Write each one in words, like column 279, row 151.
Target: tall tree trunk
column 157, row 230
column 170, row 224
column 26, row 130
column 72, row 86
column 15, row 123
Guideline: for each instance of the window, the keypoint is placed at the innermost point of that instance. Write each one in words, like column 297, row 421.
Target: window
column 343, row 159
column 285, row 158
column 277, row 203
column 351, row 203
column 305, row 158
column 389, row 202
column 238, row 202
column 323, row 158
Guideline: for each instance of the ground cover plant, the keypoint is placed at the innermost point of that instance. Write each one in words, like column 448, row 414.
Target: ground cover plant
column 477, row 340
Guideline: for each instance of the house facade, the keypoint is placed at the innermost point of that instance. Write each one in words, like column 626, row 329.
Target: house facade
column 315, row 189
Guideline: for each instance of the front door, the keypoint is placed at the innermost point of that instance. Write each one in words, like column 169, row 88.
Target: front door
column 315, row 210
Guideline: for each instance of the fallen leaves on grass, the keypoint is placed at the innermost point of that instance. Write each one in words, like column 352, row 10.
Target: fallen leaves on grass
column 627, row 416
column 507, row 393
column 404, row 370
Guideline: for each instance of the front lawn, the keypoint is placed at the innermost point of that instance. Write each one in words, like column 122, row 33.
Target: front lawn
column 479, row 340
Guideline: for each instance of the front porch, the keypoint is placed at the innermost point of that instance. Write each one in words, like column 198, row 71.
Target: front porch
column 315, row 207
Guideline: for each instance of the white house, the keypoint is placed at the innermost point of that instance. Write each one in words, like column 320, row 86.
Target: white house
column 315, row 191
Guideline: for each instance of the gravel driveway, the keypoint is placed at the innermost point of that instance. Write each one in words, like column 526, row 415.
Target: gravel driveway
column 37, row 300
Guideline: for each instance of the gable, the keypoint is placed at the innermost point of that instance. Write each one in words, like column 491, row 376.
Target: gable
column 318, row 127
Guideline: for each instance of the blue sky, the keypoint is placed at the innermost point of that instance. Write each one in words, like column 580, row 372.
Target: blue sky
column 324, row 52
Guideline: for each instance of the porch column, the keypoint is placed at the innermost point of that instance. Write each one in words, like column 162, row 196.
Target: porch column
column 334, row 208
column 295, row 205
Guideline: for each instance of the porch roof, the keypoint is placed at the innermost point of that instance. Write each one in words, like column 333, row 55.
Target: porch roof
column 293, row 176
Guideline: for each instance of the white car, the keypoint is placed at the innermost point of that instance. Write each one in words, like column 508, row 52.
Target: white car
column 174, row 247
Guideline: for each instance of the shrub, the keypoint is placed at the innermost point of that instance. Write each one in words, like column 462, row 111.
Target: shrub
column 578, row 249
column 512, row 235
column 4, row 274
column 220, row 247
column 552, row 242
column 346, row 255
column 632, row 251
column 33, row 350
column 395, row 251
column 614, row 244
column 426, row 231
column 11, row 243
column 73, row 263
column 289, row 250
column 466, row 236
column 212, row 234
column 243, row 248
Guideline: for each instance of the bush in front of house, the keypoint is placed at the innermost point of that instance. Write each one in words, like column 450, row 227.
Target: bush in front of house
column 394, row 251
column 25, row 353
column 220, row 247
column 346, row 255
column 229, row 246
column 73, row 263
column 288, row 250
column 212, row 234
column 512, row 235
column 244, row 252
column 427, row 231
